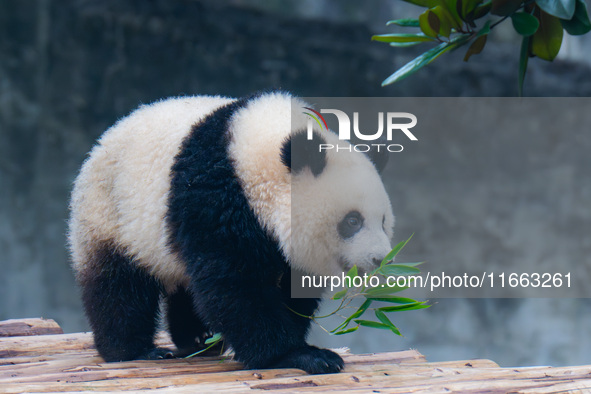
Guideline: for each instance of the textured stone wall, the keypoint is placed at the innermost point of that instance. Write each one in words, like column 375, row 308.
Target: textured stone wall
column 70, row 69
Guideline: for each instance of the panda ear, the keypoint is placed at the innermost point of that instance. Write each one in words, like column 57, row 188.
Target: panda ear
column 297, row 153
column 379, row 159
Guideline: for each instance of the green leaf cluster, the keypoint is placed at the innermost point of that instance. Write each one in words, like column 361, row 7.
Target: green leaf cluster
column 383, row 294
column 450, row 24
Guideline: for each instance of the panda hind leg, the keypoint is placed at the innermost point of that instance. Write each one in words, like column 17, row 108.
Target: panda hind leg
column 121, row 302
column 187, row 330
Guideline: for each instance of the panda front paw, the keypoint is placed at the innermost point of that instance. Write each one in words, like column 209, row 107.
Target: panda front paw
column 157, row 353
column 312, row 360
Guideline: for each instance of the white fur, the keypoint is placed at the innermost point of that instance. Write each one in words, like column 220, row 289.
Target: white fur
column 302, row 212
column 122, row 190
column 350, row 182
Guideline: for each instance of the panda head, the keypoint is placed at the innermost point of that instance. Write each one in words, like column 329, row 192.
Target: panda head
column 341, row 215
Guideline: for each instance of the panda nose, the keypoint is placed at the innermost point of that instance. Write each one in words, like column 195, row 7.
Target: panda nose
column 376, row 262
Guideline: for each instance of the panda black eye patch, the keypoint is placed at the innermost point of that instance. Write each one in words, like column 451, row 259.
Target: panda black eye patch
column 350, row 225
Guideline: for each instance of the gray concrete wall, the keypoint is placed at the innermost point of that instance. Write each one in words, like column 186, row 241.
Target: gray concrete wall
column 69, row 70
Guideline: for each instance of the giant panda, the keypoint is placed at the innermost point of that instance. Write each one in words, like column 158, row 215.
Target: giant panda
column 187, row 202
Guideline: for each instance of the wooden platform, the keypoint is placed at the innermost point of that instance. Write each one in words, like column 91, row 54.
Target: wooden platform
column 36, row 357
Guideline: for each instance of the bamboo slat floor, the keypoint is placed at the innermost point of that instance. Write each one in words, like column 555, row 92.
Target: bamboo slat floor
column 35, row 357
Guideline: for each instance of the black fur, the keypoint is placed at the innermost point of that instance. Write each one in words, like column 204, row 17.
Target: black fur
column 307, row 153
column 239, row 277
column 378, row 158
column 121, row 302
column 186, row 329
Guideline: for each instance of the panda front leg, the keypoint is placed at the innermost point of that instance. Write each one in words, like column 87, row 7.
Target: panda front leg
column 252, row 315
column 121, row 303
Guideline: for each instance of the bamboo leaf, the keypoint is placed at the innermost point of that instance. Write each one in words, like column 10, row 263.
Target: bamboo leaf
column 346, row 331
column 352, row 272
column 215, row 338
column 409, row 264
column 394, row 251
column 355, row 315
column 373, row 324
column 384, row 319
column 398, row 270
column 383, row 291
column 340, row 294
column 405, row 307
column 394, row 300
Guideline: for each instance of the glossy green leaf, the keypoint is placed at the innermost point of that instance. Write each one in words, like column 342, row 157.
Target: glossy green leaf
column 484, row 30
column 425, row 59
column 505, row 7
column 476, row 47
column 546, row 42
column 404, row 22
column 340, row 294
column 405, row 307
column 373, row 324
column 404, row 44
column 467, row 7
column 434, row 21
column 524, row 23
column 579, row 24
column 523, row 60
column 446, row 21
column 563, row 9
column 429, row 23
column 482, row 10
column 454, row 17
column 346, row 331
column 423, row 3
column 401, row 38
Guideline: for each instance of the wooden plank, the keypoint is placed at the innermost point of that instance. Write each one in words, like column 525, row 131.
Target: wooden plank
column 170, row 373
column 44, row 345
column 70, row 363
column 25, row 327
